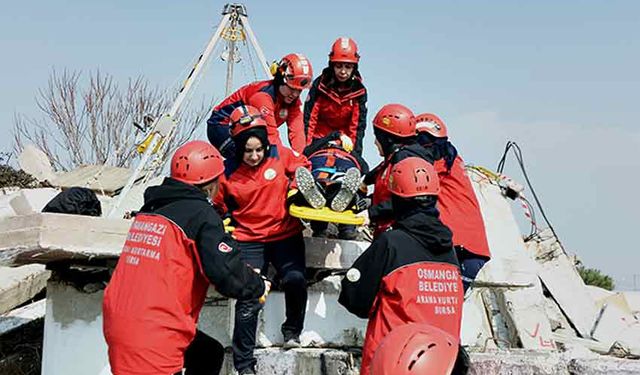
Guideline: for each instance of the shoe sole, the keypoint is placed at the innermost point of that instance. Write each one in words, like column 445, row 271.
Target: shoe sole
column 309, row 189
column 350, row 185
column 287, row 345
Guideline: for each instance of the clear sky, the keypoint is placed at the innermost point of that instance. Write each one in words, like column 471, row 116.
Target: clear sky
column 560, row 78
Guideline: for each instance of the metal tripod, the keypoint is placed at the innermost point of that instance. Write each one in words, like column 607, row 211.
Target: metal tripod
column 233, row 27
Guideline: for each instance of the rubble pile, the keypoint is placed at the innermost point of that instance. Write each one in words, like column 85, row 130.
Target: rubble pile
column 528, row 313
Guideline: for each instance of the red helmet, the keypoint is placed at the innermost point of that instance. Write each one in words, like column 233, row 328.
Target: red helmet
column 396, row 119
column 432, row 124
column 415, row 349
column 296, row 71
column 245, row 117
column 196, row 162
column 413, row 177
column 344, row 50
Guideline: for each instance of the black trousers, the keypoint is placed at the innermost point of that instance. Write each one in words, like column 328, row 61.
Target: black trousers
column 204, row 356
column 288, row 258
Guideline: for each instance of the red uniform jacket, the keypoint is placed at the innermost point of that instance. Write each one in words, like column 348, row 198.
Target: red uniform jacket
column 408, row 275
column 173, row 250
column 156, row 282
column 256, row 196
column 328, row 109
column 264, row 97
column 459, row 208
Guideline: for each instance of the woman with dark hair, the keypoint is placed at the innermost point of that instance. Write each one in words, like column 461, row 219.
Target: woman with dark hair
column 278, row 101
column 337, row 99
column 253, row 191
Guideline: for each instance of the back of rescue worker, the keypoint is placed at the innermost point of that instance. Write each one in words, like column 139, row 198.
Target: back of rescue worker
column 409, row 274
column 175, row 248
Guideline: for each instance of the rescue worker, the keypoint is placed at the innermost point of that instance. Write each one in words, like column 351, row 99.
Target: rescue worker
column 278, row 100
column 410, row 273
column 334, row 180
column 337, row 100
column 394, row 127
column 253, row 191
column 175, row 248
column 415, row 349
column 457, row 203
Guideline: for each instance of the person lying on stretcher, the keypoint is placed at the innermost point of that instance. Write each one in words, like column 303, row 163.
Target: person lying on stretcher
column 334, row 181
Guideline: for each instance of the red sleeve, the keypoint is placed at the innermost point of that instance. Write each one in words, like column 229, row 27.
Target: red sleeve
column 218, row 201
column 295, row 126
column 266, row 106
column 292, row 160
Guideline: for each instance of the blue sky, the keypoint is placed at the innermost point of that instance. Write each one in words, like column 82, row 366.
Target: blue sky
column 561, row 78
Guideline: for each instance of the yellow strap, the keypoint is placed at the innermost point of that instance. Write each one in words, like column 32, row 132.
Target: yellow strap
column 325, row 214
column 485, row 171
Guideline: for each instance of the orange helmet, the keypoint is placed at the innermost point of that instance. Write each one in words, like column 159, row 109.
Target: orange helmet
column 245, row 117
column 415, row 349
column 196, row 162
column 344, row 50
column 432, row 124
column 413, row 177
column 296, row 71
column 396, row 119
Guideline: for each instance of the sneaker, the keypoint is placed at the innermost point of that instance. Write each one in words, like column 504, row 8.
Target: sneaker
column 349, row 187
column 247, row 371
column 292, row 343
column 307, row 186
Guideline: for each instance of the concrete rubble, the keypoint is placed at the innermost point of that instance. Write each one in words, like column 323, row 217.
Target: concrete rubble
column 530, row 312
column 20, row 284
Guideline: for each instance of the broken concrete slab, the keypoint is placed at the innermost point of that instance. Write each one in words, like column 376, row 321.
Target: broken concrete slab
column 46, row 237
column 35, row 162
column 24, row 315
column 522, row 309
column 476, row 328
column 571, row 340
column 517, row 362
column 598, row 293
column 30, row 201
column 99, row 178
column 603, row 366
column 616, row 325
column 633, row 299
column 561, row 278
column 20, row 284
column 43, row 238
column 275, row 361
column 557, row 320
column 5, row 204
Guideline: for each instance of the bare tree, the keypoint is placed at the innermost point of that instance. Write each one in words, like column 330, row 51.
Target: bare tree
column 93, row 123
